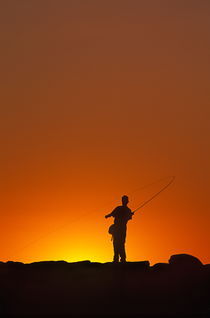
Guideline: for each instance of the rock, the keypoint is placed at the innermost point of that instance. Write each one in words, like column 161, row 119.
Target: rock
column 15, row 265
column 207, row 269
column 143, row 265
column 160, row 267
column 58, row 288
column 185, row 261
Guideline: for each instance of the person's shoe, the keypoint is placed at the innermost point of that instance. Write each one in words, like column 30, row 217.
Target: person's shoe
column 123, row 261
column 116, row 260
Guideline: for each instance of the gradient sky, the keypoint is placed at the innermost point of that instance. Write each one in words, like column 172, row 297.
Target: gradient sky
column 98, row 99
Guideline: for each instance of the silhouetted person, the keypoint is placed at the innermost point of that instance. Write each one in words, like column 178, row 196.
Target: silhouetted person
column 121, row 216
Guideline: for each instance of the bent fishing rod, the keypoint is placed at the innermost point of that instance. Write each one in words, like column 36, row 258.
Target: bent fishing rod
column 54, row 231
column 155, row 195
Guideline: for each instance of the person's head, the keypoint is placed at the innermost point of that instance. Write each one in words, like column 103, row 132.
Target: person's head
column 125, row 200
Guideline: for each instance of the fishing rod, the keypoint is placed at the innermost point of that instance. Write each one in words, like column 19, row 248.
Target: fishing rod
column 64, row 225
column 155, row 195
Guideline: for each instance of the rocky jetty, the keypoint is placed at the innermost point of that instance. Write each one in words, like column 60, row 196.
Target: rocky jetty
column 178, row 288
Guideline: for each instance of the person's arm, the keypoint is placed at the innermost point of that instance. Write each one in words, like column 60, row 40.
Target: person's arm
column 110, row 214
column 130, row 215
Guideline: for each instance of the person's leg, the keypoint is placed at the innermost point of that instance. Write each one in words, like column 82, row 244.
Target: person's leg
column 116, row 250
column 122, row 246
column 122, row 252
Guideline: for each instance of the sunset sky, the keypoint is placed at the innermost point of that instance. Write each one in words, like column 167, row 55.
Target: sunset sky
column 100, row 99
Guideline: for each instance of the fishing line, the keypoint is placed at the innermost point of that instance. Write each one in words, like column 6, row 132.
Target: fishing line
column 155, row 195
column 141, row 206
column 150, row 184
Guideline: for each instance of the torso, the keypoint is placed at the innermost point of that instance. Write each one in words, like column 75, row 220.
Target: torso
column 121, row 215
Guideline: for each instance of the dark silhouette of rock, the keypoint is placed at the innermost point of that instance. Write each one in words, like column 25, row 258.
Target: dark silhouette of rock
column 207, row 268
column 185, row 261
column 96, row 289
column 12, row 264
column 141, row 266
column 160, row 267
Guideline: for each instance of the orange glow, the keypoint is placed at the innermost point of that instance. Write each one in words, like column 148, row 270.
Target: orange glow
column 98, row 100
